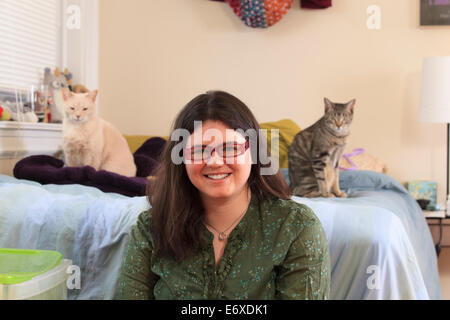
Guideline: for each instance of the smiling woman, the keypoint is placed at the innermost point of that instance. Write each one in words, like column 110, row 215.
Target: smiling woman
column 219, row 228
column 215, row 177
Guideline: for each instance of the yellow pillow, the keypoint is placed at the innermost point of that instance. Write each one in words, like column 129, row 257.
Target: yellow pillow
column 288, row 130
column 135, row 142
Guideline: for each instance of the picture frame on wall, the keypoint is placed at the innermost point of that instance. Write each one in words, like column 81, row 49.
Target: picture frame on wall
column 434, row 12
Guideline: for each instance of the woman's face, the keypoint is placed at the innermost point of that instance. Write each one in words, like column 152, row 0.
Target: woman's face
column 217, row 177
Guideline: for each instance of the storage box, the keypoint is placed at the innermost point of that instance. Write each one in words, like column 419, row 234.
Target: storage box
column 33, row 275
column 423, row 190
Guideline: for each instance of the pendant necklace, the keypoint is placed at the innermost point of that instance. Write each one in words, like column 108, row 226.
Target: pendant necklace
column 222, row 235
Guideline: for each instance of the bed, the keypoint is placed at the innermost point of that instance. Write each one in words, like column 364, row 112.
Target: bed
column 380, row 244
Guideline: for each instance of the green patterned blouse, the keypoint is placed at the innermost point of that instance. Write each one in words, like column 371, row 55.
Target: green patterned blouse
column 277, row 251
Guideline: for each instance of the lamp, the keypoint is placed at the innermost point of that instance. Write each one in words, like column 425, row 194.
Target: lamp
column 435, row 97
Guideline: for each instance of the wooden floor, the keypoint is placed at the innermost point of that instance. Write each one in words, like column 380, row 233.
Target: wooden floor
column 444, row 272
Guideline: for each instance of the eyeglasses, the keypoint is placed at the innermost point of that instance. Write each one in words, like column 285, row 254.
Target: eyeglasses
column 225, row 150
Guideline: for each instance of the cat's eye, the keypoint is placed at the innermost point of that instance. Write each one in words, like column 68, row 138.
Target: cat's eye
column 84, row 109
column 72, row 108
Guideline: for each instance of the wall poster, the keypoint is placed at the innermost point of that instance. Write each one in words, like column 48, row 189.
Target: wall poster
column 434, row 12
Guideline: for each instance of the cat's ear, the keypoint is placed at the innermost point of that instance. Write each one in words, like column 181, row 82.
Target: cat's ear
column 351, row 105
column 93, row 95
column 66, row 93
column 328, row 104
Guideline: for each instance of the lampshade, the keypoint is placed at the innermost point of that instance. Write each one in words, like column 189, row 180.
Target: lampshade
column 435, row 93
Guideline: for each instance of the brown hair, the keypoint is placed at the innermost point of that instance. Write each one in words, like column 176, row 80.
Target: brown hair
column 177, row 211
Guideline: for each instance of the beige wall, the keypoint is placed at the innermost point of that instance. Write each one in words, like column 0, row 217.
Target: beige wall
column 155, row 55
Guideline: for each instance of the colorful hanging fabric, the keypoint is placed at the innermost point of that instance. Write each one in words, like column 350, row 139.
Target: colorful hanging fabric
column 260, row 13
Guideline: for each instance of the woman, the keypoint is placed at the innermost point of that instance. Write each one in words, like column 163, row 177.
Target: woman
column 218, row 228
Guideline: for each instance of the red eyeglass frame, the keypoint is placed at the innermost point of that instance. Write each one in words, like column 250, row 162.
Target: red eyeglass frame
column 243, row 148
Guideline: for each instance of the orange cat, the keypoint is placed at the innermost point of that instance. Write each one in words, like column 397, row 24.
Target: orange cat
column 91, row 141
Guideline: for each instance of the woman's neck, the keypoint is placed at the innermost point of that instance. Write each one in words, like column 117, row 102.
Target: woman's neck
column 221, row 213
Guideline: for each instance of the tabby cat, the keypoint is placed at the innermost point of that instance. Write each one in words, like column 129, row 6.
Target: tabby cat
column 315, row 153
column 91, row 141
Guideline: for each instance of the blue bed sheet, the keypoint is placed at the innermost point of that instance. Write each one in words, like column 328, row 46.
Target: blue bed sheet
column 380, row 245
column 379, row 230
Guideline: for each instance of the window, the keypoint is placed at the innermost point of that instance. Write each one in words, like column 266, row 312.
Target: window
column 30, row 41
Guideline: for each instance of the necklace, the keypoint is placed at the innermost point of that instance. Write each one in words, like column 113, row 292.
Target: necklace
column 222, row 235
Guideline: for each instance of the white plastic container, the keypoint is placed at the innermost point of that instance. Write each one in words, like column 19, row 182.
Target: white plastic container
column 50, row 285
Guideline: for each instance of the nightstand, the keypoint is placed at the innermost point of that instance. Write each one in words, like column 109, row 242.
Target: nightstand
column 436, row 215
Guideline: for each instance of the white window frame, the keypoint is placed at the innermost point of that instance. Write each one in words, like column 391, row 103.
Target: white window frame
column 80, row 47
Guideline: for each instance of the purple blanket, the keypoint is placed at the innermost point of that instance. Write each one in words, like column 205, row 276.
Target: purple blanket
column 50, row 170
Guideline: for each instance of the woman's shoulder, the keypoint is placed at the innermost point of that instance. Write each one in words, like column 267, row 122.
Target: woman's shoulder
column 145, row 217
column 289, row 206
column 142, row 227
column 289, row 212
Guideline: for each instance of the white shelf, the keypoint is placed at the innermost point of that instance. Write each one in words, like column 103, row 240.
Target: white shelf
column 435, row 214
column 20, row 139
column 15, row 125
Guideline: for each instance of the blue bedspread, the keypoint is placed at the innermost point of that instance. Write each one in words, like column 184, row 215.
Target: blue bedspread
column 380, row 245
column 86, row 225
column 379, row 230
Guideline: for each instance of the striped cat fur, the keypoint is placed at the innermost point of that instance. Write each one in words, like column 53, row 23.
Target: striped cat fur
column 315, row 153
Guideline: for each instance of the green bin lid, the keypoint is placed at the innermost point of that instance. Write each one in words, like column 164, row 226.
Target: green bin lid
column 19, row 265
